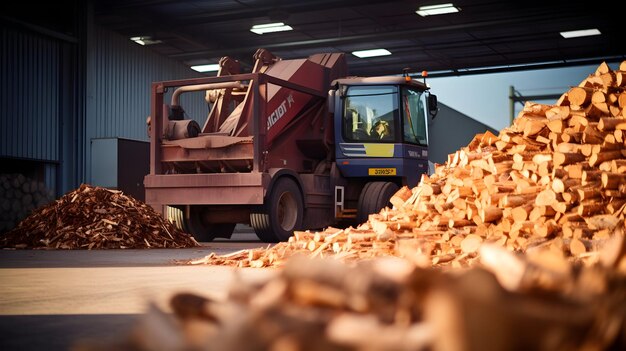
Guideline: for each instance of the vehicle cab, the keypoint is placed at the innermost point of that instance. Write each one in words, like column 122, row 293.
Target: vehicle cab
column 381, row 127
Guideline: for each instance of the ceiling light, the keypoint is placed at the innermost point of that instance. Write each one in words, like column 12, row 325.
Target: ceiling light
column 580, row 33
column 270, row 28
column 206, row 68
column 440, row 9
column 371, row 53
column 145, row 40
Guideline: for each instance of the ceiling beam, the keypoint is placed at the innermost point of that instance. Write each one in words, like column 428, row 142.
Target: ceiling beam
column 285, row 7
column 392, row 35
column 364, row 71
column 40, row 30
column 255, row 11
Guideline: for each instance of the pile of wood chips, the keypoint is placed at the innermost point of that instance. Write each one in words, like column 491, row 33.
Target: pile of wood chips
column 556, row 177
column 538, row 301
column 95, row 218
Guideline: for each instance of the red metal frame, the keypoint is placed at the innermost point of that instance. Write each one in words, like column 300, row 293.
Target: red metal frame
column 219, row 188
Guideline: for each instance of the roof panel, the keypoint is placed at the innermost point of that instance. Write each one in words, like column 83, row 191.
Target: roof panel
column 484, row 33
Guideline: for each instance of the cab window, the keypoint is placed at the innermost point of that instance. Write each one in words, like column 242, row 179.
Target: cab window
column 370, row 114
column 414, row 128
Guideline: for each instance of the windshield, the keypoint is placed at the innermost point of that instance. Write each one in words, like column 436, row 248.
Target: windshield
column 414, row 118
column 370, row 113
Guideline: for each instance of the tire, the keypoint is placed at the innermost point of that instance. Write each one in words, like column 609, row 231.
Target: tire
column 281, row 214
column 176, row 217
column 197, row 226
column 374, row 197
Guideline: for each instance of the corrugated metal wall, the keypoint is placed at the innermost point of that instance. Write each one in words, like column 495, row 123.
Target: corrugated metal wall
column 119, row 76
column 29, row 95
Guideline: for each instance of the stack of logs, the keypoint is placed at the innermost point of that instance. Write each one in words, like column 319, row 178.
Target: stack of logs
column 95, row 218
column 19, row 196
column 556, row 177
column 538, row 301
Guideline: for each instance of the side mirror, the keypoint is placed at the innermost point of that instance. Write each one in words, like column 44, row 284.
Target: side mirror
column 432, row 105
column 331, row 101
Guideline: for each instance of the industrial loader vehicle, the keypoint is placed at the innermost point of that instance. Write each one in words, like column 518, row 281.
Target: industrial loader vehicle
column 294, row 144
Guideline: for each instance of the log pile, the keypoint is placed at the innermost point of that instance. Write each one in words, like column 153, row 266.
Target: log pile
column 19, row 196
column 539, row 301
column 95, row 218
column 556, row 177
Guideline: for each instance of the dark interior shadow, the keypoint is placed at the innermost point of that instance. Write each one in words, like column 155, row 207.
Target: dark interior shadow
column 62, row 332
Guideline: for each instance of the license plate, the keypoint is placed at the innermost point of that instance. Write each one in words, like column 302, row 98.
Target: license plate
column 382, row 171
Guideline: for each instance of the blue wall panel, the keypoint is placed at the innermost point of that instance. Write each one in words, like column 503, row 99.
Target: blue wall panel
column 119, row 77
column 29, row 96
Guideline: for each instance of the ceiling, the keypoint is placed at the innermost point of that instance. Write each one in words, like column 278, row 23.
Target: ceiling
column 485, row 36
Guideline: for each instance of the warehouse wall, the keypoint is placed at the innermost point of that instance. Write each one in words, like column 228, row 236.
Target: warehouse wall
column 32, row 112
column 29, row 102
column 59, row 92
column 119, row 75
column 449, row 131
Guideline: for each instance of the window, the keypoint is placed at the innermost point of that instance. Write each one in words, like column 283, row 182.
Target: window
column 370, row 113
column 414, row 118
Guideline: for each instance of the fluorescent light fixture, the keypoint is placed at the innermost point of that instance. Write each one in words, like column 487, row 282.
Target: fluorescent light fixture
column 580, row 33
column 144, row 40
column 371, row 53
column 440, row 9
column 270, row 28
column 206, row 68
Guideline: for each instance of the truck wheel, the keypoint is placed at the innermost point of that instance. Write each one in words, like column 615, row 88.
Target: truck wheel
column 374, row 197
column 281, row 214
column 204, row 231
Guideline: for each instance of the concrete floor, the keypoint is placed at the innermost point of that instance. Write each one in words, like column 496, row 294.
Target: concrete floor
column 49, row 300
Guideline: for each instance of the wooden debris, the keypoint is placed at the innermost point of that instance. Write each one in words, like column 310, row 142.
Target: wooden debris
column 555, row 165
column 538, row 301
column 95, row 218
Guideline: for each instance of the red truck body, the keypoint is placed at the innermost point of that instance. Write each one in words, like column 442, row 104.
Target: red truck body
column 265, row 155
